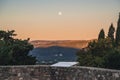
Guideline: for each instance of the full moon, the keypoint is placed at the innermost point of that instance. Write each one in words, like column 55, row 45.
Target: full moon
column 60, row 13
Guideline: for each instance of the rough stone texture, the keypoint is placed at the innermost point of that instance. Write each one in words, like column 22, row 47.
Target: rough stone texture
column 38, row 72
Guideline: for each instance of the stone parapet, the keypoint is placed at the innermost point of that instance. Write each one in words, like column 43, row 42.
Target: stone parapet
column 44, row 72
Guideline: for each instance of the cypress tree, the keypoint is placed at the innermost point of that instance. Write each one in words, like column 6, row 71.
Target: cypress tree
column 101, row 35
column 118, row 31
column 111, row 32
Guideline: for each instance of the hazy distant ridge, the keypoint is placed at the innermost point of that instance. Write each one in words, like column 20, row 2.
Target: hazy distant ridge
column 62, row 43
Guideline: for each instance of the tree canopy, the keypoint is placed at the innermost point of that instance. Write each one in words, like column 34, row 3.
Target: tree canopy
column 102, row 52
column 14, row 51
column 101, row 34
column 118, row 32
column 111, row 32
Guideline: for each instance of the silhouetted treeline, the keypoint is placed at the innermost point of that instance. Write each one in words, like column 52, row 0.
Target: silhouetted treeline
column 14, row 51
column 104, row 52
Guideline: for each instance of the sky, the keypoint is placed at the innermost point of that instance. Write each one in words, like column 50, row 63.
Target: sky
column 58, row 19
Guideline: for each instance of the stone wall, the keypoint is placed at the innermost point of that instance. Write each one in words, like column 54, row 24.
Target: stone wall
column 38, row 72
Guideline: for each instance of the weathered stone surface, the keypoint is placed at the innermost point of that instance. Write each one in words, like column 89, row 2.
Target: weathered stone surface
column 39, row 72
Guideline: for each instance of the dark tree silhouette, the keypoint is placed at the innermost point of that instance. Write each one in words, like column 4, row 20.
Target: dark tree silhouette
column 101, row 35
column 14, row 51
column 118, row 32
column 111, row 32
column 103, row 52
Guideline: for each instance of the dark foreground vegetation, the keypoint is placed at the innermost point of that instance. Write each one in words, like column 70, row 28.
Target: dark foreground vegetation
column 14, row 51
column 103, row 52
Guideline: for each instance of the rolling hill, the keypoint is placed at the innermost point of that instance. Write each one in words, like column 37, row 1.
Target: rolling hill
column 54, row 54
column 48, row 52
column 62, row 43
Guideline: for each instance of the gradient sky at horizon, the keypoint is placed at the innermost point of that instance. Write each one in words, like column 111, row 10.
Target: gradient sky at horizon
column 39, row 19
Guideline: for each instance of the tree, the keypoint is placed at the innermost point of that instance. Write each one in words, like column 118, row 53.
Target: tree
column 14, row 51
column 101, row 35
column 118, row 31
column 96, row 53
column 111, row 32
column 85, row 58
column 102, row 52
column 112, row 60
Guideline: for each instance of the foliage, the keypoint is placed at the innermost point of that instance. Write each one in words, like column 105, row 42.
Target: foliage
column 95, row 54
column 102, row 52
column 112, row 60
column 118, row 32
column 85, row 58
column 111, row 32
column 101, row 35
column 14, row 51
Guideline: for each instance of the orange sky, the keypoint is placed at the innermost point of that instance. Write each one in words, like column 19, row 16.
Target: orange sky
column 39, row 20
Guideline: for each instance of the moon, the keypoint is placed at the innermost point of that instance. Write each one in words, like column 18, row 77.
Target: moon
column 59, row 13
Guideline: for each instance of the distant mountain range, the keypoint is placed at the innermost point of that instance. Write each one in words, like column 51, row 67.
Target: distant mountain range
column 54, row 54
column 48, row 52
column 61, row 43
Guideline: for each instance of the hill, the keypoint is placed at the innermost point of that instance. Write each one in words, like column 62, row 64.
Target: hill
column 54, row 54
column 48, row 52
column 61, row 43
